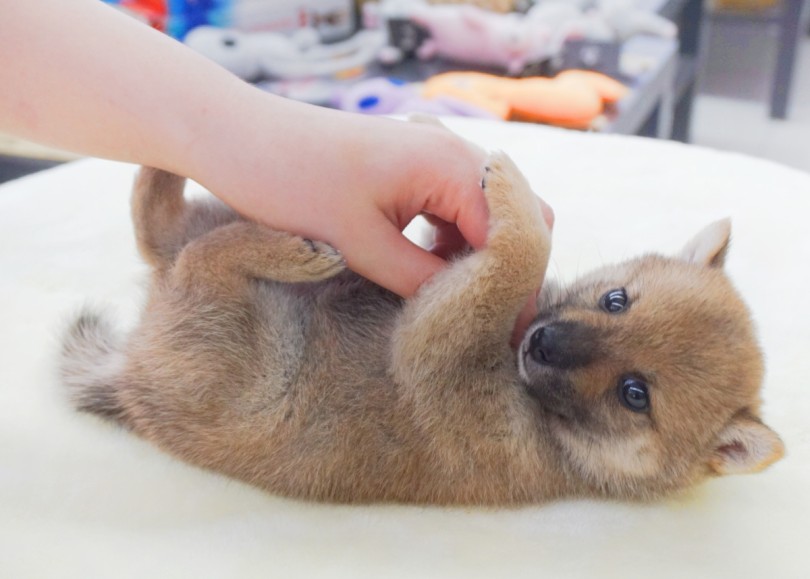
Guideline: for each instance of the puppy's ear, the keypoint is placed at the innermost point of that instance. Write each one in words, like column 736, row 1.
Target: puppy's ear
column 745, row 445
column 710, row 246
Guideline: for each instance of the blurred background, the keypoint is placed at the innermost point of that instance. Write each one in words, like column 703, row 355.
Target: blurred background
column 739, row 79
column 727, row 74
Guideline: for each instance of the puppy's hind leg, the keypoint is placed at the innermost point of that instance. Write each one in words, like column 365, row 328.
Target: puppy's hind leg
column 207, row 243
column 228, row 257
column 164, row 221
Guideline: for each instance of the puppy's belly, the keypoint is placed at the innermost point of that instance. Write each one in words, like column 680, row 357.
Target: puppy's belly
column 340, row 430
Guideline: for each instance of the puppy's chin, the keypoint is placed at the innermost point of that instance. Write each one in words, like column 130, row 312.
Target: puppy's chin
column 555, row 401
column 550, row 389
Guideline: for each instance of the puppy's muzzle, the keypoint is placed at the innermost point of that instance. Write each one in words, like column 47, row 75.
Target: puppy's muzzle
column 563, row 345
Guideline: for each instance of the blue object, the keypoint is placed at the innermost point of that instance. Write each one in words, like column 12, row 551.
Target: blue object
column 187, row 14
column 369, row 102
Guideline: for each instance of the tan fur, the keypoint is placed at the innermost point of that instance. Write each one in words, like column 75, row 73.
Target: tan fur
column 258, row 355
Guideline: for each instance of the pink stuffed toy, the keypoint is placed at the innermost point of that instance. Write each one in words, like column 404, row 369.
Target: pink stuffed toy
column 471, row 35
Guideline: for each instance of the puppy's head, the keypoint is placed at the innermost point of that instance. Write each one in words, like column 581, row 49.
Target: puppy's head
column 648, row 373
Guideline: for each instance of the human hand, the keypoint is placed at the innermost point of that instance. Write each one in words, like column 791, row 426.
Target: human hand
column 430, row 172
column 351, row 180
column 354, row 182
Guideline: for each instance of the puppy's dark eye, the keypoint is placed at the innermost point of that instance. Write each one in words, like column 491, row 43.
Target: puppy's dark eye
column 614, row 301
column 633, row 393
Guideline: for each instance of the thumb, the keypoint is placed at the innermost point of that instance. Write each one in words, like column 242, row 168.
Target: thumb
column 385, row 256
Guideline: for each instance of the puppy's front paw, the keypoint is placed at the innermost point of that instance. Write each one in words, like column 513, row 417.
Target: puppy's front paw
column 516, row 215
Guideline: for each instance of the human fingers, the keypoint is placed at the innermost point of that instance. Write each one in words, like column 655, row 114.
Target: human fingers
column 382, row 254
column 472, row 219
column 453, row 187
column 447, row 239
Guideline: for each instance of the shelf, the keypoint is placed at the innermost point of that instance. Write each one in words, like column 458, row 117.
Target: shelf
column 686, row 75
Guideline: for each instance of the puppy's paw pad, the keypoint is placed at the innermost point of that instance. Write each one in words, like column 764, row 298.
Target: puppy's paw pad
column 323, row 260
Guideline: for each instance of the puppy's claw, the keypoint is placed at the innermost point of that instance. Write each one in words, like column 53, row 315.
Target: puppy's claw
column 324, row 261
column 484, row 178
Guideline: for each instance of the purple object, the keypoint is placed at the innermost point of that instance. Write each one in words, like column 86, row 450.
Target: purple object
column 384, row 96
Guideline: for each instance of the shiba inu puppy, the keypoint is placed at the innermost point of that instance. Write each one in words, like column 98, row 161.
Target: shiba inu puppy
column 260, row 356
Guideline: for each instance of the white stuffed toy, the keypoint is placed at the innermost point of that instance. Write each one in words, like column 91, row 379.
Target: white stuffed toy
column 253, row 55
column 471, row 35
column 627, row 19
column 602, row 20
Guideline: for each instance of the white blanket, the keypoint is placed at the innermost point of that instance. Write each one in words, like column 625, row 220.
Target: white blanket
column 80, row 498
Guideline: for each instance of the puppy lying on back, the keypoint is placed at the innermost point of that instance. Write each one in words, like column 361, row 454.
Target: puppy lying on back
column 260, row 356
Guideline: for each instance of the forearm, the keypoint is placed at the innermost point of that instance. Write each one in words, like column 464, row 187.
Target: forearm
column 90, row 80
column 78, row 75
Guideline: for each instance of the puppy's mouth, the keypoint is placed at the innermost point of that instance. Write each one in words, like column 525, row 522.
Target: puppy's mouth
column 545, row 382
column 553, row 393
column 561, row 413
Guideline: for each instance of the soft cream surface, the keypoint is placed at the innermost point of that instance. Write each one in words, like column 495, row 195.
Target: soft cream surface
column 80, row 498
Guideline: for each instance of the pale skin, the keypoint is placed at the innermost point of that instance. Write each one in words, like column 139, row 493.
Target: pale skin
column 80, row 76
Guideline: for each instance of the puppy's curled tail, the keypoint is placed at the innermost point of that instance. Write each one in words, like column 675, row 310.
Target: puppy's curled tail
column 165, row 222
column 158, row 211
column 91, row 366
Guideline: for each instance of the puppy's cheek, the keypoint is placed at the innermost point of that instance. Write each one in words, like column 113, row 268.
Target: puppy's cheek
column 608, row 458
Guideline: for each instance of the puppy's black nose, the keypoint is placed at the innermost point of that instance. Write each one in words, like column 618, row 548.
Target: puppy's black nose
column 540, row 345
column 565, row 345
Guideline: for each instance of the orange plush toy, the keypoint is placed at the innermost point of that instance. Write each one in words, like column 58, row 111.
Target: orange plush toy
column 573, row 99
